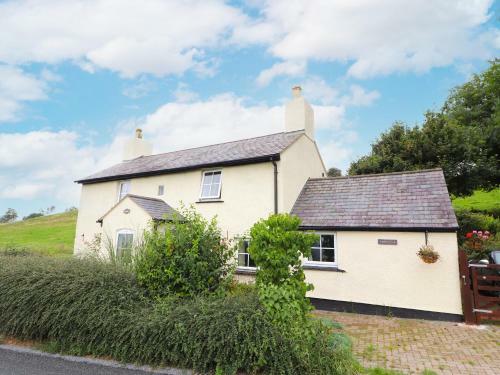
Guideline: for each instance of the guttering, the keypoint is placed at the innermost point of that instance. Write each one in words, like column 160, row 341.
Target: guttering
column 125, row 176
column 275, row 165
column 378, row 229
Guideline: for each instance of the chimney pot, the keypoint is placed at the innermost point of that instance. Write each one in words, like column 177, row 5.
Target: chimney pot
column 136, row 147
column 296, row 91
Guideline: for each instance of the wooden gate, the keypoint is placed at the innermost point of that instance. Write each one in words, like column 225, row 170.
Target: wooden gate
column 480, row 290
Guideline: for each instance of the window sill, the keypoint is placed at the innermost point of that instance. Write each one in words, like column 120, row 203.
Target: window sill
column 246, row 271
column 322, row 268
column 209, row 201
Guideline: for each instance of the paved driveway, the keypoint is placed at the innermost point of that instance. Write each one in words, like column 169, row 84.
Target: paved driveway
column 412, row 346
column 22, row 361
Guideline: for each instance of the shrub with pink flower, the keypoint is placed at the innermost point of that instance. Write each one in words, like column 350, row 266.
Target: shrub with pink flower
column 478, row 244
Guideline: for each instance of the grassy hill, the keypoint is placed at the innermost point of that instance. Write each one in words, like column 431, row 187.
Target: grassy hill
column 51, row 235
column 486, row 201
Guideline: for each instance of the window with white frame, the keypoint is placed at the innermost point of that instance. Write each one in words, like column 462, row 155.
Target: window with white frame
column 244, row 259
column 123, row 189
column 211, row 185
column 323, row 252
column 161, row 189
column 124, row 243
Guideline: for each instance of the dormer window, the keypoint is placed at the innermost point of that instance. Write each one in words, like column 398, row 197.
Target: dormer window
column 211, row 185
column 123, row 189
column 161, row 189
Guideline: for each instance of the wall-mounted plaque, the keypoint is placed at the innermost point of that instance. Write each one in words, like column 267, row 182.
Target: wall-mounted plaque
column 382, row 241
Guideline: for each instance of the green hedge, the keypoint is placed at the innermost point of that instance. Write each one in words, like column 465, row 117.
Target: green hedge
column 86, row 307
column 90, row 308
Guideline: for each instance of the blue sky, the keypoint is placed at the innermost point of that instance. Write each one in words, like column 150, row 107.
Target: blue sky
column 76, row 77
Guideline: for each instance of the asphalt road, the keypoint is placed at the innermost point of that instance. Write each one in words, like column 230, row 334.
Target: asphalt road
column 21, row 361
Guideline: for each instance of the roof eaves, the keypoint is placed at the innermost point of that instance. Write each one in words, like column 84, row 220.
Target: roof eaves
column 259, row 159
column 451, row 229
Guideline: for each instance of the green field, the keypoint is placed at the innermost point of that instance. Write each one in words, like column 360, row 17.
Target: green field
column 488, row 201
column 51, row 235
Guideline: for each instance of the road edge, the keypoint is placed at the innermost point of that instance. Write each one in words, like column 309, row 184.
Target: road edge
column 97, row 361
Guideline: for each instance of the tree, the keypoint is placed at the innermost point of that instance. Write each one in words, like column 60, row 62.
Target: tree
column 334, row 172
column 9, row 216
column 48, row 210
column 32, row 215
column 462, row 138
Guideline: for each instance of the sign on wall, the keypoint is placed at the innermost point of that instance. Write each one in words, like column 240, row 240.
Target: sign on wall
column 382, row 241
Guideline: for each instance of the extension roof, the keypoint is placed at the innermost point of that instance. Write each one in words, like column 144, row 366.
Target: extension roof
column 156, row 208
column 245, row 151
column 415, row 200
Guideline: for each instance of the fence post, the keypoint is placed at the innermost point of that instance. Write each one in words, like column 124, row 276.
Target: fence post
column 465, row 289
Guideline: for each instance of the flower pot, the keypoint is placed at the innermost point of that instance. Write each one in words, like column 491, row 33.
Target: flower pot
column 429, row 259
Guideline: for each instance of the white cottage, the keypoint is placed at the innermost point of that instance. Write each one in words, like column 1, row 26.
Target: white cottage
column 370, row 226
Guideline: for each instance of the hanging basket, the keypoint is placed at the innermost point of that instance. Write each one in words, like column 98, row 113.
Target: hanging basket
column 428, row 254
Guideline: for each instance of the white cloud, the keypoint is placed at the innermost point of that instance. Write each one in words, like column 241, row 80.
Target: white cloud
column 359, row 97
column 139, row 89
column 17, row 87
column 377, row 37
column 183, row 94
column 24, row 191
column 129, row 37
column 45, row 164
column 288, row 68
column 317, row 90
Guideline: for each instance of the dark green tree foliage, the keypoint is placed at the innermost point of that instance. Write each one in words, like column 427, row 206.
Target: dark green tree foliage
column 9, row 216
column 463, row 139
column 334, row 172
column 187, row 257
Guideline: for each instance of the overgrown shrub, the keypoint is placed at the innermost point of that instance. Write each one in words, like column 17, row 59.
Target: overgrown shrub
column 89, row 308
column 187, row 257
column 277, row 247
column 469, row 221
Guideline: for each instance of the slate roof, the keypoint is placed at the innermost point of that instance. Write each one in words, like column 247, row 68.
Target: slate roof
column 405, row 200
column 156, row 208
column 252, row 150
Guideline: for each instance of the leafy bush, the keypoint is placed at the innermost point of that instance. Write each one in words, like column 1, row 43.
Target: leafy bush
column 187, row 258
column 469, row 221
column 478, row 244
column 85, row 307
column 277, row 247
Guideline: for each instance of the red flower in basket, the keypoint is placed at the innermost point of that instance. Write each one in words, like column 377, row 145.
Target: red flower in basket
column 468, row 235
